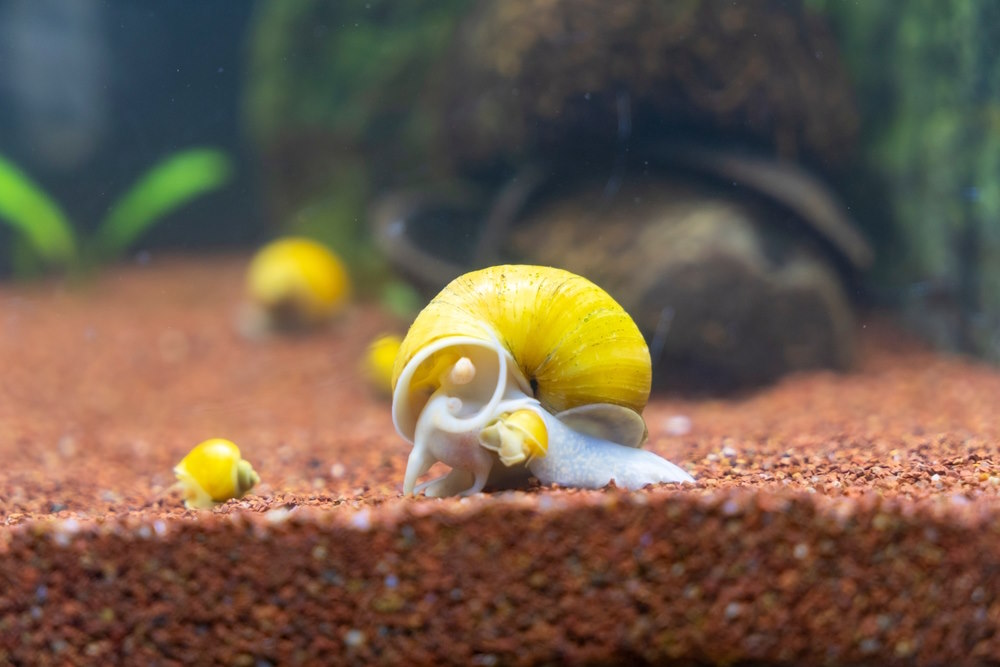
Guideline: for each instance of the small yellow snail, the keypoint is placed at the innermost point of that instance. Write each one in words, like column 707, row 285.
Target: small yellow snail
column 379, row 360
column 531, row 367
column 297, row 283
column 213, row 472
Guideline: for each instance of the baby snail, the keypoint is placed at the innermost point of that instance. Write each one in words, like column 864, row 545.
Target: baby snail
column 212, row 473
column 513, row 371
column 378, row 362
column 295, row 284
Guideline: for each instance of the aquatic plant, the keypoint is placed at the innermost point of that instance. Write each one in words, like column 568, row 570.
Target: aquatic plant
column 169, row 185
column 48, row 234
column 35, row 215
column 928, row 74
column 335, row 105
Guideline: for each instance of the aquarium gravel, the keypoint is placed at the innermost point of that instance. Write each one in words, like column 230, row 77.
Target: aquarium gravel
column 838, row 518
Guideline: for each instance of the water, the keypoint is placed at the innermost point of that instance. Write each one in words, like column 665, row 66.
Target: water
column 491, row 122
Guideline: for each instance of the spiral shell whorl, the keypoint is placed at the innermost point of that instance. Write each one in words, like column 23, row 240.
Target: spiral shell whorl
column 572, row 342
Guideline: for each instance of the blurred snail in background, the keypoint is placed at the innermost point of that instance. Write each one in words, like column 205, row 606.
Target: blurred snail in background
column 379, row 360
column 214, row 472
column 532, row 368
column 294, row 284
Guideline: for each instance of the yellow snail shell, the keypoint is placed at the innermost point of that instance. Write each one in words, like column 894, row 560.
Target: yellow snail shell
column 213, row 472
column 508, row 339
column 297, row 283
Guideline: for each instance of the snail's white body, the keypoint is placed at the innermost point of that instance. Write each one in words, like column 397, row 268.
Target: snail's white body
column 588, row 446
column 578, row 458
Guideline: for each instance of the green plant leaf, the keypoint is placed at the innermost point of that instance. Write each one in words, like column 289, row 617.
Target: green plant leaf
column 168, row 185
column 35, row 215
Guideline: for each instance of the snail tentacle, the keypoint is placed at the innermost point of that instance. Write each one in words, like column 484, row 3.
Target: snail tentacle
column 448, row 427
column 457, row 482
column 418, row 463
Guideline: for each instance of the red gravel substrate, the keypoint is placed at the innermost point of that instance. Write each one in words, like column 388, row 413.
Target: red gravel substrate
column 839, row 519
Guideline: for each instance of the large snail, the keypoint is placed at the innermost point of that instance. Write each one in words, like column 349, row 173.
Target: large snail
column 514, row 371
